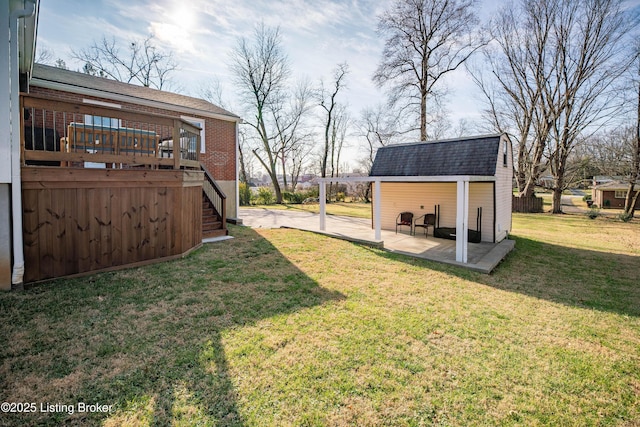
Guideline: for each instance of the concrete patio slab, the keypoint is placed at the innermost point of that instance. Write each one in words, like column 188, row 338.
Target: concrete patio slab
column 482, row 257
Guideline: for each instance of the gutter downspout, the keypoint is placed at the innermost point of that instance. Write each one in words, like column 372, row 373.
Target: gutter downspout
column 14, row 105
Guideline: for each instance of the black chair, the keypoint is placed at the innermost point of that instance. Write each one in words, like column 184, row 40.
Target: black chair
column 425, row 221
column 405, row 218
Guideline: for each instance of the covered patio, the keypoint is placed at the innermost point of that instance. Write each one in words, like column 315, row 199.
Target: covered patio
column 481, row 257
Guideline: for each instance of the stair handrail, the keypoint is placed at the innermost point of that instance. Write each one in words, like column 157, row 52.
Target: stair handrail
column 215, row 195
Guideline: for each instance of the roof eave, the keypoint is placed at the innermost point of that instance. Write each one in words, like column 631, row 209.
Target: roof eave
column 80, row 90
column 439, row 178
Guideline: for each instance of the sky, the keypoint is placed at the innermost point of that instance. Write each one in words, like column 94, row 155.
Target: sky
column 317, row 35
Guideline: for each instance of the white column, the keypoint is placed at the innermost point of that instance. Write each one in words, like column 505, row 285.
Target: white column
column 323, row 205
column 462, row 221
column 17, row 275
column 376, row 209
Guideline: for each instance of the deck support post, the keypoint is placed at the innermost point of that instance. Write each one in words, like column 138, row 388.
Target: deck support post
column 462, row 221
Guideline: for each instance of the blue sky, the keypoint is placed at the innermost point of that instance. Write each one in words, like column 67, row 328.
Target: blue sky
column 317, row 35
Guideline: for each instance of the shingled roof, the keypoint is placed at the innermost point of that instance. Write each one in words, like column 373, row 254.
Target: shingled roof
column 75, row 81
column 475, row 156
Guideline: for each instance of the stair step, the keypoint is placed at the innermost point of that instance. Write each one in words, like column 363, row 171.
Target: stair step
column 214, row 233
column 211, row 226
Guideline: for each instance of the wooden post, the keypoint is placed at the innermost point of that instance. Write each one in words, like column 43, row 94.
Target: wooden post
column 376, row 210
column 462, row 221
column 323, row 207
column 176, row 144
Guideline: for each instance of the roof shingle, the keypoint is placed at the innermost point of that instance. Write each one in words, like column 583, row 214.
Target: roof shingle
column 82, row 80
column 475, row 156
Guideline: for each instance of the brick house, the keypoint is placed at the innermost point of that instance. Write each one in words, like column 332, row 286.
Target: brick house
column 612, row 194
column 219, row 127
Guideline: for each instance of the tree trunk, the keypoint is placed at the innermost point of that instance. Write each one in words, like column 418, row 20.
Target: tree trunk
column 630, row 200
column 557, row 201
column 243, row 170
column 423, row 116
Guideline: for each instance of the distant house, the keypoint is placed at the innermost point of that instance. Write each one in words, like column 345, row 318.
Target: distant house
column 452, row 178
column 612, row 194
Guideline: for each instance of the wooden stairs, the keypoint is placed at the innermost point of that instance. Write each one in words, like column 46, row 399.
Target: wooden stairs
column 214, row 207
column 211, row 221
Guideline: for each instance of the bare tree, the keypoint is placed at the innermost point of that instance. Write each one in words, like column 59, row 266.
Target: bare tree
column 425, row 40
column 334, row 122
column 45, row 56
column 291, row 133
column 379, row 126
column 520, row 64
column 261, row 69
column 274, row 113
column 141, row 62
column 555, row 64
column 327, row 99
column 633, row 193
column 581, row 94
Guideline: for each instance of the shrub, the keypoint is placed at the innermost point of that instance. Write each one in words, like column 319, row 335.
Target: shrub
column 292, row 197
column 594, row 212
column 625, row 216
column 340, row 196
column 245, row 194
column 586, row 197
column 265, row 196
column 606, row 203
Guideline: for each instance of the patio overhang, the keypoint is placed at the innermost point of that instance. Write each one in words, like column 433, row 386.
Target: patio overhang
column 462, row 198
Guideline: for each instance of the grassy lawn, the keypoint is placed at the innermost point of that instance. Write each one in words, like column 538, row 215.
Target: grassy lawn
column 357, row 210
column 282, row 327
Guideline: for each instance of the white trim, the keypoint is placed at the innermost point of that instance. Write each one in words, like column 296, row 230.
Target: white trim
column 17, row 275
column 439, row 178
column 100, row 103
column 436, row 141
column 377, row 207
column 462, row 221
column 201, row 124
column 237, row 172
column 323, row 205
column 47, row 84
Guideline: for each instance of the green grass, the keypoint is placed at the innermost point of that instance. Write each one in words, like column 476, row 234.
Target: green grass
column 357, row 210
column 283, row 327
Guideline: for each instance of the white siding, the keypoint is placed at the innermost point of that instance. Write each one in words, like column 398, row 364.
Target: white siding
column 481, row 196
column 420, row 198
column 504, row 191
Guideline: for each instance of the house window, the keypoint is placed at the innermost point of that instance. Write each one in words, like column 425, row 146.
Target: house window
column 200, row 123
column 107, row 122
column 621, row 194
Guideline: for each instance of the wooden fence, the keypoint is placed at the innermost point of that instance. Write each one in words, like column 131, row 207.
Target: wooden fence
column 83, row 220
column 527, row 204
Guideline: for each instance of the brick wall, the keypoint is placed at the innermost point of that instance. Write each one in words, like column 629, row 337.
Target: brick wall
column 220, row 135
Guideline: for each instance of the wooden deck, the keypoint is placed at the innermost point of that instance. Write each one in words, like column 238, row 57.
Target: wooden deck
column 83, row 220
column 105, row 188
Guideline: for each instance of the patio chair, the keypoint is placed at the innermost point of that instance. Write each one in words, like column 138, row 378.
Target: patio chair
column 404, row 218
column 425, row 221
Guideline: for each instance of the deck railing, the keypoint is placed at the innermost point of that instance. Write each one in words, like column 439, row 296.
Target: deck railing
column 215, row 195
column 72, row 134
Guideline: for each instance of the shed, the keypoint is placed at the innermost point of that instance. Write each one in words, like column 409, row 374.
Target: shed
column 454, row 177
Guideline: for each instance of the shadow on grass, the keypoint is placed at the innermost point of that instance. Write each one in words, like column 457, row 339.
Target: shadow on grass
column 148, row 340
column 573, row 277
